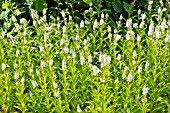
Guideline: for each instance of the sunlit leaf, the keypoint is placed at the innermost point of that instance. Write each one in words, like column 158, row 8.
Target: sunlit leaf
column 5, row 5
column 87, row 1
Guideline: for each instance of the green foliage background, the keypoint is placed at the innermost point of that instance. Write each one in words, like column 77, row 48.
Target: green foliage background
column 75, row 7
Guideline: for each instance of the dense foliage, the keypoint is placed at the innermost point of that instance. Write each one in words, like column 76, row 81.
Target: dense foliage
column 76, row 8
column 93, row 57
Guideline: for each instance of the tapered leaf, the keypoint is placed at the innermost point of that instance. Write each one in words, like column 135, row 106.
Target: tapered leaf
column 87, row 1
column 117, row 6
column 126, row 6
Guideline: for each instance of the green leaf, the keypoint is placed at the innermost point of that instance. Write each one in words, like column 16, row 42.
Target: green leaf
column 87, row 1
column 5, row 5
column 40, row 5
column 126, row 6
column 77, row 19
column 159, row 107
column 17, row 12
column 117, row 6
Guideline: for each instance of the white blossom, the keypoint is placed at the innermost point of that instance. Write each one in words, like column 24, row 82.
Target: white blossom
column 15, row 65
column 164, row 9
column 17, row 83
column 34, row 83
column 159, row 10
column 95, row 25
column 66, row 49
column 73, row 54
column 139, row 11
column 43, row 19
column 150, row 5
column 14, row 19
column 130, row 35
column 86, row 48
column 143, row 16
column 144, row 99
column 63, row 64
column 77, row 37
column 104, row 59
column 63, row 41
column 64, row 29
column 31, row 70
column 135, row 25
column 102, row 80
column 145, row 90
column 138, row 38
column 167, row 38
column 35, row 23
column 158, row 32
column 77, row 26
column 90, row 9
column 90, row 58
column 50, row 62
column 31, row 94
column 42, row 64
column 17, row 26
column 58, row 25
column 57, row 94
column 28, row 63
column 117, row 80
column 79, row 109
column 126, row 69
column 49, row 28
column 23, row 21
column 91, row 4
column 119, row 57
column 133, row 62
column 25, row 33
column 17, row 53
column 151, row 2
column 16, row 75
column 151, row 29
column 168, row 22
column 117, row 37
column 129, row 23
column 25, row 41
column 41, row 48
column 70, row 18
column 121, row 17
column 102, row 15
column 140, row 69
column 142, row 24
column 78, row 46
column 63, row 14
column 109, row 29
column 37, row 72
column 101, row 21
column 134, row 56
column 58, row 18
column 55, row 85
column 164, row 25
column 96, row 70
column 81, row 24
column 44, row 11
column 110, row 35
column 129, row 78
column 123, row 76
column 46, row 36
column 22, row 80
column 85, row 42
column 87, row 22
column 82, row 60
column 160, row 13
column 146, row 65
